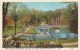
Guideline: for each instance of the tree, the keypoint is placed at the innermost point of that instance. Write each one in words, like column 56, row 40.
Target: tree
column 15, row 11
column 5, row 9
column 71, row 14
column 9, row 21
column 74, row 20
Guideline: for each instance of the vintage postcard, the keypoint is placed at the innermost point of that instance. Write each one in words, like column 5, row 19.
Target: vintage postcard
column 40, row 24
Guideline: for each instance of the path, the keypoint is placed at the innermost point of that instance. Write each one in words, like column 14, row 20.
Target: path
column 20, row 33
column 70, row 44
column 24, row 31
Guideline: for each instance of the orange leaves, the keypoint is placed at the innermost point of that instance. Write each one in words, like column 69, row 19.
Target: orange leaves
column 9, row 21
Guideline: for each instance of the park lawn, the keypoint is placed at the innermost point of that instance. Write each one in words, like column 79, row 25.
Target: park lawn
column 43, row 41
column 11, row 31
column 68, row 40
column 8, row 31
column 60, row 40
column 19, row 29
column 32, row 30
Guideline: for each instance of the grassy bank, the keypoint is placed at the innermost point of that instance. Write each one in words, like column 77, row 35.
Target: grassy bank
column 59, row 40
column 32, row 30
column 11, row 30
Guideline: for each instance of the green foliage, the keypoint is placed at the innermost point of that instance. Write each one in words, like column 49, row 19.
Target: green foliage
column 71, row 14
column 26, row 16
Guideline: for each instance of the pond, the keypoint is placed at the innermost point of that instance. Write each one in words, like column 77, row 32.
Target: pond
column 52, row 35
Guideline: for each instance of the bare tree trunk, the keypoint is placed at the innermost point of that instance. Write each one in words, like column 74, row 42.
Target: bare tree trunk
column 5, row 9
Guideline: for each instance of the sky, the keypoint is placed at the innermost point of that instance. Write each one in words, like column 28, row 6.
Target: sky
column 45, row 6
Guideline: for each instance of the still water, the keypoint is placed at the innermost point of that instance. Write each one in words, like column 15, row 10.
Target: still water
column 52, row 35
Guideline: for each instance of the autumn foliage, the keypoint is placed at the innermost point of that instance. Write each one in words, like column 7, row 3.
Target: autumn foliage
column 9, row 21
